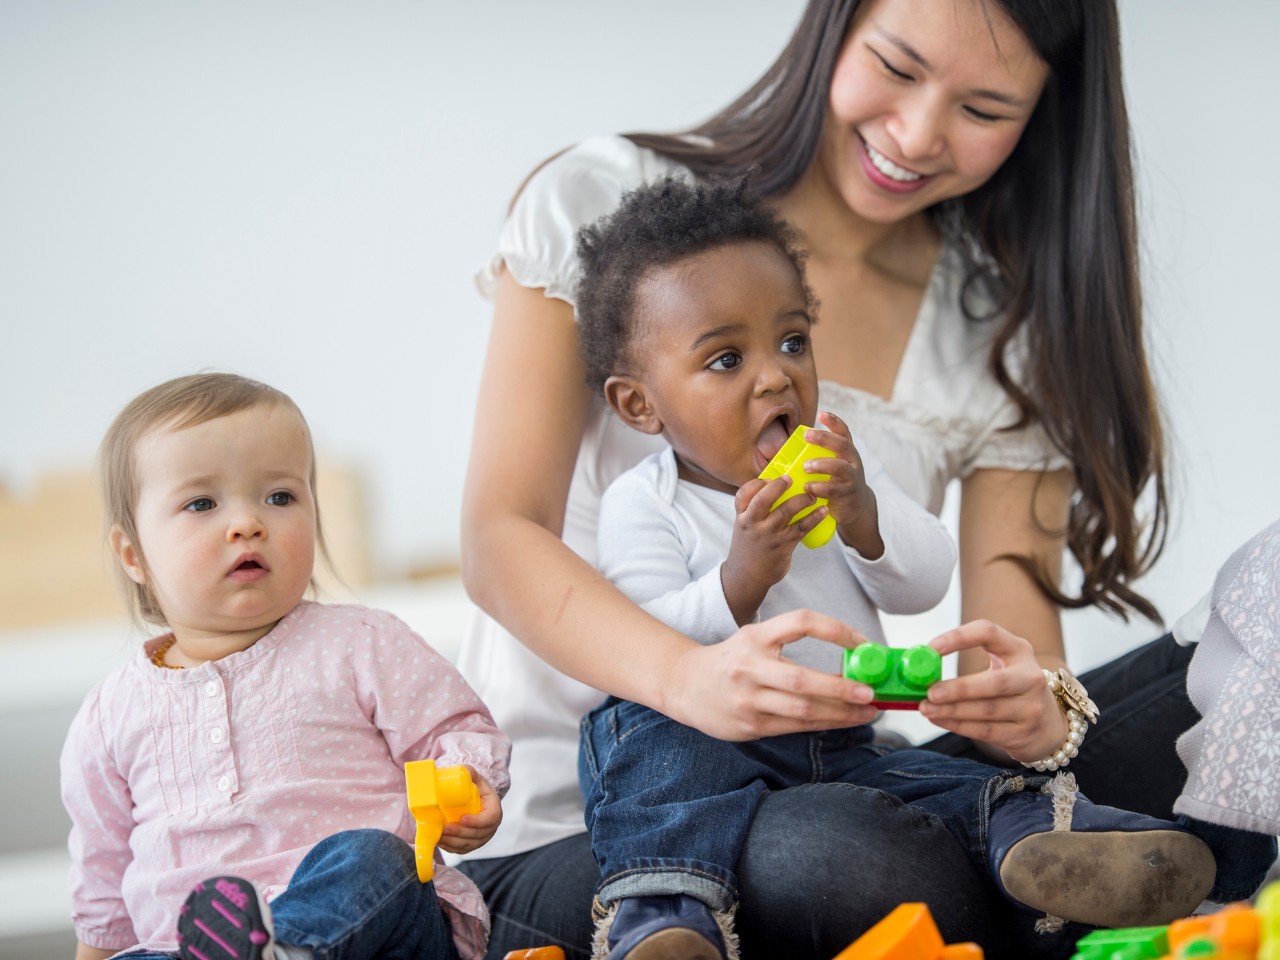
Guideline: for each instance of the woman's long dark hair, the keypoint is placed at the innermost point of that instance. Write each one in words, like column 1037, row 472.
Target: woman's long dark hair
column 1058, row 220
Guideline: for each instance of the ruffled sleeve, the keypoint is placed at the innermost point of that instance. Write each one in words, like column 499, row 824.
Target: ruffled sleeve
column 946, row 374
column 538, row 242
column 1026, row 448
column 997, row 447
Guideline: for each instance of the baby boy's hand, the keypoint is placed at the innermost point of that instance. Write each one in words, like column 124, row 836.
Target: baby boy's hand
column 852, row 501
column 763, row 543
column 474, row 830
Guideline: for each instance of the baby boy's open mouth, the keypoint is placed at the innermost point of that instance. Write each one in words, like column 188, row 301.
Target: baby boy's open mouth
column 772, row 437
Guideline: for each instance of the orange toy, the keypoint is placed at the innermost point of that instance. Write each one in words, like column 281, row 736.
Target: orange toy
column 538, row 953
column 1233, row 931
column 908, row 933
column 436, row 797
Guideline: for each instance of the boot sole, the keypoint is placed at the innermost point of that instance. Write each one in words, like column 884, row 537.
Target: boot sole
column 223, row 919
column 676, row 943
column 1110, row 879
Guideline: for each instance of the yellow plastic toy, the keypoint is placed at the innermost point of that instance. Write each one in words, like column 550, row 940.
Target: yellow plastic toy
column 436, row 797
column 907, row 933
column 789, row 462
column 1267, row 906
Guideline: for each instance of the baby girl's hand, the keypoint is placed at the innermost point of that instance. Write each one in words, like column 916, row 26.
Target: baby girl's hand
column 851, row 500
column 474, row 830
column 763, row 543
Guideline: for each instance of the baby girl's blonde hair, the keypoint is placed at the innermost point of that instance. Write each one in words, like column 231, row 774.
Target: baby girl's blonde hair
column 179, row 403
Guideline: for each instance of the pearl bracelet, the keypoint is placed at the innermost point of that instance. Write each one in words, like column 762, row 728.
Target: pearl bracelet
column 1080, row 711
column 1076, row 728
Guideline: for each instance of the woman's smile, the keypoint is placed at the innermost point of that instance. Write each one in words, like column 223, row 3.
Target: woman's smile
column 884, row 173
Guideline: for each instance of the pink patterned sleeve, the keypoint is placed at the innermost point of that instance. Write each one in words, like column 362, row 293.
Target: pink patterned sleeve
column 100, row 805
column 436, row 716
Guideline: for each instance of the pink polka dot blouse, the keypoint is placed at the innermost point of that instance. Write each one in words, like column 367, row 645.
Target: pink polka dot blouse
column 243, row 764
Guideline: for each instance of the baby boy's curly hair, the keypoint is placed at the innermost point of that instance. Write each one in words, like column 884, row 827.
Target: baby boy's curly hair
column 655, row 226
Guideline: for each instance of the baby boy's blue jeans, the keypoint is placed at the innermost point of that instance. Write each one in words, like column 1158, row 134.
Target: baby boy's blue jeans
column 669, row 808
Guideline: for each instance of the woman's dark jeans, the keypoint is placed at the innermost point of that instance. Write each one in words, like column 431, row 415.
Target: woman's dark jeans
column 1129, row 760
column 822, row 864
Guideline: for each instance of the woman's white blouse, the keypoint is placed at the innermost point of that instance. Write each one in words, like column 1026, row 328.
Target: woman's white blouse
column 943, row 421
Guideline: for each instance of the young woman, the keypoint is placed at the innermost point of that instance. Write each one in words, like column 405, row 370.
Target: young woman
column 959, row 174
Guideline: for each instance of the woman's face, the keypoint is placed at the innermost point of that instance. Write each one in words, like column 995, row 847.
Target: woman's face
column 928, row 99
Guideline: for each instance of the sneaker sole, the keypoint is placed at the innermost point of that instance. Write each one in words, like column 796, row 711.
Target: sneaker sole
column 222, row 919
column 1110, row 879
column 675, row 943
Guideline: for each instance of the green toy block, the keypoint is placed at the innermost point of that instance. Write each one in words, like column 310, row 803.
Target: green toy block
column 1200, row 947
column 1131, row 943
column 899, row 677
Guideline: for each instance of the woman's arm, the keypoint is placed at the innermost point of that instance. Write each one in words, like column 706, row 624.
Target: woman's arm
column 529, row 423
column 1000, row 698
column 1023, row 513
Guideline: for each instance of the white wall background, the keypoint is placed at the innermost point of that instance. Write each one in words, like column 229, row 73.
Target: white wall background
column 302, row 191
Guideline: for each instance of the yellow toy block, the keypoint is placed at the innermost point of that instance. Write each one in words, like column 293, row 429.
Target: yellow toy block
column 907, row 933
column 789, row 462
column 1267, row 906
column 436, row 797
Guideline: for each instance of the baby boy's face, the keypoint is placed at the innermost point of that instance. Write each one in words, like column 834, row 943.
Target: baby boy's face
column 723, row 350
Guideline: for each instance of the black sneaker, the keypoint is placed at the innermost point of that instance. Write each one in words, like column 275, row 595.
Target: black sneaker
column 225, row 919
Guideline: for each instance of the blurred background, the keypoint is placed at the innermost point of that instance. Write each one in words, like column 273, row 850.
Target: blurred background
column 302, row 193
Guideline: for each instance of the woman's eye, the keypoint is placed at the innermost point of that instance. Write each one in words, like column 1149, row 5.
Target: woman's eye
column 980, row 115
column 894, row 71
column 796, row 343
column 280, row 498
column 726, row 361
column 200, row 505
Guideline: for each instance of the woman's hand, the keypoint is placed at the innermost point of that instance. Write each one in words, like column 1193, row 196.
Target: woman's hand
column 742, row 688
column 1008, row 705
column 474, row 830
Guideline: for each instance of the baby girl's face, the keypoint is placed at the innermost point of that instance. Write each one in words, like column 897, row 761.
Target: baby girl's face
column 725, row 359
column 226, row 520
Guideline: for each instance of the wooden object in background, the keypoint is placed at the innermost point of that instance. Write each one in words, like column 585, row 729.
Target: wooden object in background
column 55, row 565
